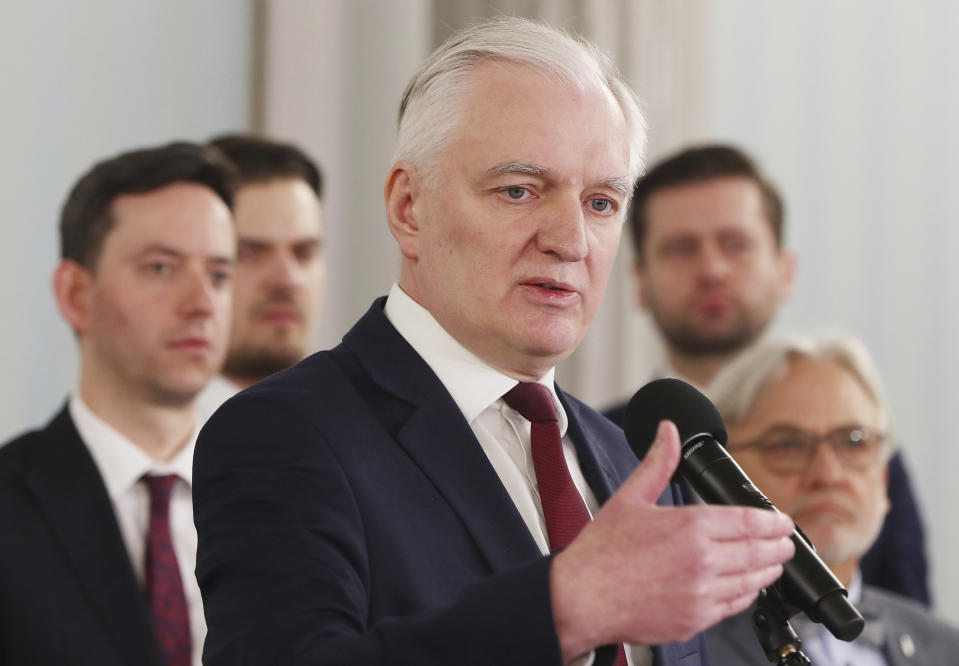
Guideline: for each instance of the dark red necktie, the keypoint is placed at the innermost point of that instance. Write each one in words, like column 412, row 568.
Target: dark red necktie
column 564, row 510
column 164, row 586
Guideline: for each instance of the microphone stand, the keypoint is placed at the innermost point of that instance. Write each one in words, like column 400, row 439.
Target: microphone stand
column 779, row 641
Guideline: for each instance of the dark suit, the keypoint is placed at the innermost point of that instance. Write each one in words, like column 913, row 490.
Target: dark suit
column 347, row 515
column 905, row 632
column 68, row 593
column 897, row 559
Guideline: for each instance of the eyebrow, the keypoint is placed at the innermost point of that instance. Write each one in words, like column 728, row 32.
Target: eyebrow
column 265, row 242
column 527, row 168
column 620, row 184
column 159, row 249
column 171, row 252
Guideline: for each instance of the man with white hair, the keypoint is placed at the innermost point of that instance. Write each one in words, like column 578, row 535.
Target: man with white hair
column 808, row 424
column 424, row 493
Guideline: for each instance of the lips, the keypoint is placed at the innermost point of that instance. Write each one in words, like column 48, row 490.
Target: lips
column 190, row 344
column 826, row 509
column 549, row 292
column 282, row 315
column 551, row 285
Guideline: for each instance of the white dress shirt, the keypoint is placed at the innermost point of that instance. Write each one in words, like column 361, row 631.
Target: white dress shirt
column 121, row 464
column 217, row 391
column 503, row 434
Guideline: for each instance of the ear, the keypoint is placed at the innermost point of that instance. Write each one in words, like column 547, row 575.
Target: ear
column 401, row 192
column 641, row 299
column 71, row 288
column 787, row 274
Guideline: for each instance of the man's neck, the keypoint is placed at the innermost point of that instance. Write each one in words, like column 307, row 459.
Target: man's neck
column 844, row 571
column 160, row 431
column 697, row 370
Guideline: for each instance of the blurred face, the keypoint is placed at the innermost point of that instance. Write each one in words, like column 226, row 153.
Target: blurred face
column 511, row 246
column 279, row 277
column 157, row 306
column 711, row 275
column 841, row 509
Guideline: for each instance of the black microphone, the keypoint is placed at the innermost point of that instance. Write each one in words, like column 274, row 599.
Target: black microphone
column 807, row 583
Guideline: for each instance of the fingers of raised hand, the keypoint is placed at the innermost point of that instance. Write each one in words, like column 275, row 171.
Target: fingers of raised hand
column 649, row 479
column 732, row 523
column 734, row 557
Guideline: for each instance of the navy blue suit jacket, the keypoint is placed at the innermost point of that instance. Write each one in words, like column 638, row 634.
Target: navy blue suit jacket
column 68, row 593
column 347, row 515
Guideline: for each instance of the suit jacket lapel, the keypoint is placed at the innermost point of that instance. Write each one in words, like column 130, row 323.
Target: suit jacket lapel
column 67, row 486
column 437, row 437
column 892, row 635
column 598, row 469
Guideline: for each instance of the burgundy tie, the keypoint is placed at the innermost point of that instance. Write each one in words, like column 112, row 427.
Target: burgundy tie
column 164, row 587
column 563, row 507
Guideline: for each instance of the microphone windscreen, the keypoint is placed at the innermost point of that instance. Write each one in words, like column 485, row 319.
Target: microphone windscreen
column 677, row 401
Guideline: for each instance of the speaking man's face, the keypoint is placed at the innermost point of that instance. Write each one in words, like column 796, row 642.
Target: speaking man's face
column 516, row 234
column 838, row 499
column 156, row 308
column 711, row 274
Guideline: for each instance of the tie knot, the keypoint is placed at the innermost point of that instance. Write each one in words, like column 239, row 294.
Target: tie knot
column 533, row 401
column 160, row 487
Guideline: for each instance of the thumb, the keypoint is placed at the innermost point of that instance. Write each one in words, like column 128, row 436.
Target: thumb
column 651, row 477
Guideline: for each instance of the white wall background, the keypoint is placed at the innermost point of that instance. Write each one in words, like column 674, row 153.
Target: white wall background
column 850, row 105
column 81, row 81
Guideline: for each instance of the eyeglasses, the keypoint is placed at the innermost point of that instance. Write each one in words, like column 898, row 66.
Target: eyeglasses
column 789, row 450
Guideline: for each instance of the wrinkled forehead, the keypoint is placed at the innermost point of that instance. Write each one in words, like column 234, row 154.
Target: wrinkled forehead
column 518, row 114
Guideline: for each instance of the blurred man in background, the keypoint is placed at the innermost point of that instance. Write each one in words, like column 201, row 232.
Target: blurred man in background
column 99, row 547
column 279, row 278
column 808, row 424
column 711, row 269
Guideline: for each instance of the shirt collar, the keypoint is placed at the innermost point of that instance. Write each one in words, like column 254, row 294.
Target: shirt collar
column 121, row 462
column 472, row 383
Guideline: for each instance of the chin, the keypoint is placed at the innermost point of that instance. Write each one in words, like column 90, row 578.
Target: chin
column 551, row 338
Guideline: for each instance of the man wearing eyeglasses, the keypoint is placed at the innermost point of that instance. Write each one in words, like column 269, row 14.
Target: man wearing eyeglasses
column 808, row 424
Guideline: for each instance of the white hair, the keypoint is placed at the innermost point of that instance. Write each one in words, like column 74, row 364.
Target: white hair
column 738, row 386
column 430, row 112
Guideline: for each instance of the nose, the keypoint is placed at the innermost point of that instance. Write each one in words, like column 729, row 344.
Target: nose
column 285, row 271
column 824, row 466
column 199, row 294
column 562, row 230
column 713, row 264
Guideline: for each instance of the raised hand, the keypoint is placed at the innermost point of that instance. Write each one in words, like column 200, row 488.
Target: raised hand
column 647, row 574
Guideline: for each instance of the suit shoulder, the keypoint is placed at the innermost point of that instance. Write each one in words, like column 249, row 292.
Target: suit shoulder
column 904, row 614
column 317, row 377
column 15, row 452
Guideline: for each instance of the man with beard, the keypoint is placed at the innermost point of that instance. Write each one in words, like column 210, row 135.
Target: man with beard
column 279, row 272
column 96, row 526
column 808, row 424
column 710, row 265
column 711, row 269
